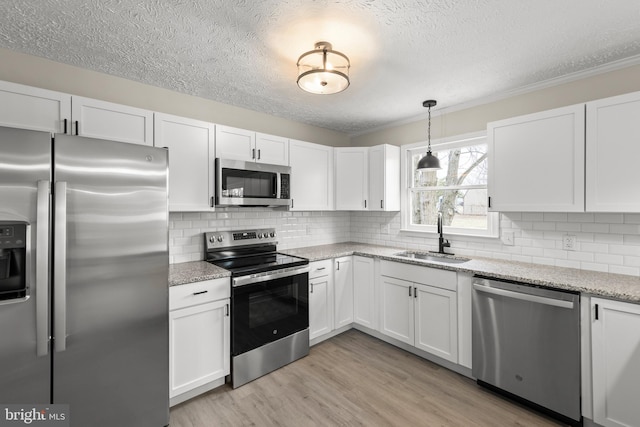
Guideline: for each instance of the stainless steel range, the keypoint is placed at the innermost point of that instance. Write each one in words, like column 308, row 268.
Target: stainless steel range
column 269, row 301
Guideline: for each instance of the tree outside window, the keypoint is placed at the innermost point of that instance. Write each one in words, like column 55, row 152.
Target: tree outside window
column 458, row 190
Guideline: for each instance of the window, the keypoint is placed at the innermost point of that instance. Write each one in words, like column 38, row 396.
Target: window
column 458, row 190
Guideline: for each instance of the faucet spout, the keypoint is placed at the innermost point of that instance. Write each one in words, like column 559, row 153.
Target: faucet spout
column 441, row 241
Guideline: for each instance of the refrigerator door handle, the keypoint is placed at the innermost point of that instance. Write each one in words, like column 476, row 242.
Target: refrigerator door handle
column 42, row 268
column 60, row 268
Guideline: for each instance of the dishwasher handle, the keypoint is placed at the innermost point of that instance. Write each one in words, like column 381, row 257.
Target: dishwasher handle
column 524, row 297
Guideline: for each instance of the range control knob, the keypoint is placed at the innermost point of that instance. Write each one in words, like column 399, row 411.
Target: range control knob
column 272, row 234
column 259, row 235
column 212, row 239
column 220, row 238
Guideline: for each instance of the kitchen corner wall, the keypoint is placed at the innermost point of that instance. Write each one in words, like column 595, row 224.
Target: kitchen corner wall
column 295, row 229
column 605, row 242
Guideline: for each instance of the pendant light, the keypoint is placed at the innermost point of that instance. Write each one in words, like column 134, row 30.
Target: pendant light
column 429, row 162
column 323, row 71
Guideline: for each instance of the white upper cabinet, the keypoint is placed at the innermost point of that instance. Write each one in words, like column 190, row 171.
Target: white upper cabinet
column 384, row 178
column 191, row 161
column 312, row 176
column 105, row 120
column 613, row 150
column 272, row 149
column 240, row 144
column 536, row 162
column 32, row 108
column 351, row 171
column 235, row 144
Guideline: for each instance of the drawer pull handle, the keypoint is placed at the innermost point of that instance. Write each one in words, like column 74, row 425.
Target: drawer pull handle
column 200, row 293
column 320, row 268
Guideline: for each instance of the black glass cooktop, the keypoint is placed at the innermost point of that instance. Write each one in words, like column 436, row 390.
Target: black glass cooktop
column 252, row 264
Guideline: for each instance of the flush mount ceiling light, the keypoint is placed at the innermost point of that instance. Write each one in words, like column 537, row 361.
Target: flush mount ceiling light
column 429, row 162
column 323, row 71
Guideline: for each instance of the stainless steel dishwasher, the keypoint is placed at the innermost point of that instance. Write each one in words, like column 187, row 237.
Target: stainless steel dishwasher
column 526, row 345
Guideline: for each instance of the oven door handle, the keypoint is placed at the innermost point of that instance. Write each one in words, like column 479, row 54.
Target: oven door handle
column 249, row 280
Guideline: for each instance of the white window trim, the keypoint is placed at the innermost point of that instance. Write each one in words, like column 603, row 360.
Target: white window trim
column 493, row 218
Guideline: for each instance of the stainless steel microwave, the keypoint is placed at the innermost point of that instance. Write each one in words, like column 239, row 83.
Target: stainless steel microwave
column 240, row 183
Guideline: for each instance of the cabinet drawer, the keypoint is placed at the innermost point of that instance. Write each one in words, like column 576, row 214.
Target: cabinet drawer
column 181, row 296
column 436, row 277
column 320, row 268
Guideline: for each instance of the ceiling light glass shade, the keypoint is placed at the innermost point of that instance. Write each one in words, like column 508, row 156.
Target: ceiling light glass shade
column 428, row 162
column 323, row 71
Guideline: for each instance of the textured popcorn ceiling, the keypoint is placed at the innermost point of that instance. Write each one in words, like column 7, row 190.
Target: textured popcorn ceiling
column 402, row 52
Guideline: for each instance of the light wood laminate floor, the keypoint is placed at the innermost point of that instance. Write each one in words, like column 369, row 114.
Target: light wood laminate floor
column 354, row 379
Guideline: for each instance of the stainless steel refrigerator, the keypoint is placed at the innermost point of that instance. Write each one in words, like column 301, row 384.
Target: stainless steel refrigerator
column 83, row 277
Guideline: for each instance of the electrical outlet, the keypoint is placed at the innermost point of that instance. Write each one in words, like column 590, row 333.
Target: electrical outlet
column 569, row 242
column 507, row 238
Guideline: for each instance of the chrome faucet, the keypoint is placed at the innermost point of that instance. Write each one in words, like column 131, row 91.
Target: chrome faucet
column 441, row 242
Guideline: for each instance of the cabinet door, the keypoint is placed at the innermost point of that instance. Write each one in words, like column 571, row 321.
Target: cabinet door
column 311, row 176
column 615, row 342
column 320, row 306
column 397, row 309
column 235, row 144
column 384, row 178
column 343, row 286
column 32, row 108
column 436, row 321
column 199, row 342
column 272, row 149
column 364, row 292
column 613, row 132
column 536, row 162
column 105, row 120
column 191, row 161
column 351, row 179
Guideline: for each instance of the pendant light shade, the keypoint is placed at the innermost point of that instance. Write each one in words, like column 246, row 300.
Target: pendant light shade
column 323, row 71
column 429, row 162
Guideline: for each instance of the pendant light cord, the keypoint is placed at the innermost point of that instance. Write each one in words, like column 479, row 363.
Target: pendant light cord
column 429, row 131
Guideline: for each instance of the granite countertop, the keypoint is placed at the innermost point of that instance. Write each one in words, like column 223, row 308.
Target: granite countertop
column 617, row 286
column 196, row 271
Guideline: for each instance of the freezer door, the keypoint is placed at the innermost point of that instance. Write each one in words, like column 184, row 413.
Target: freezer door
column 110, row 282
column 25, row 159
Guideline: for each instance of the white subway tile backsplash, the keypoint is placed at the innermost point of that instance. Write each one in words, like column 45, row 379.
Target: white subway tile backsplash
column 605, row 242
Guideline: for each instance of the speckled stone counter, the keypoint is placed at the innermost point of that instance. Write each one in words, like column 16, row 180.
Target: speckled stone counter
column 616, row 286
column 197, row 271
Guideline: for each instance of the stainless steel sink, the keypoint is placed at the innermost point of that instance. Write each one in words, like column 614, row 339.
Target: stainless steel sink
column 449, row 259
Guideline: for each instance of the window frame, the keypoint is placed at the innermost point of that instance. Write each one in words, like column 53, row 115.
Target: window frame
column 407, row 151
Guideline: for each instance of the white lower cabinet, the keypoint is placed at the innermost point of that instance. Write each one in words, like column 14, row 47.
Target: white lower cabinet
column 615, row 340
column 199, row 338
column 419, row 307
column 364, row 292
column 397, row 308
column 343, row 285
column 320, row 298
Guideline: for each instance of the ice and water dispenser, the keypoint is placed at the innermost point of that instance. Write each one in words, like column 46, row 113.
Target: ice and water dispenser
column 13, row 243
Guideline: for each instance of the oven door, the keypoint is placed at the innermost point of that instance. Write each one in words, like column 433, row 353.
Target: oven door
column 269, row 309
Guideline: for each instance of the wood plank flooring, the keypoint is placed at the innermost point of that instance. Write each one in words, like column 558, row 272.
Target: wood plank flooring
column 356, row 380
